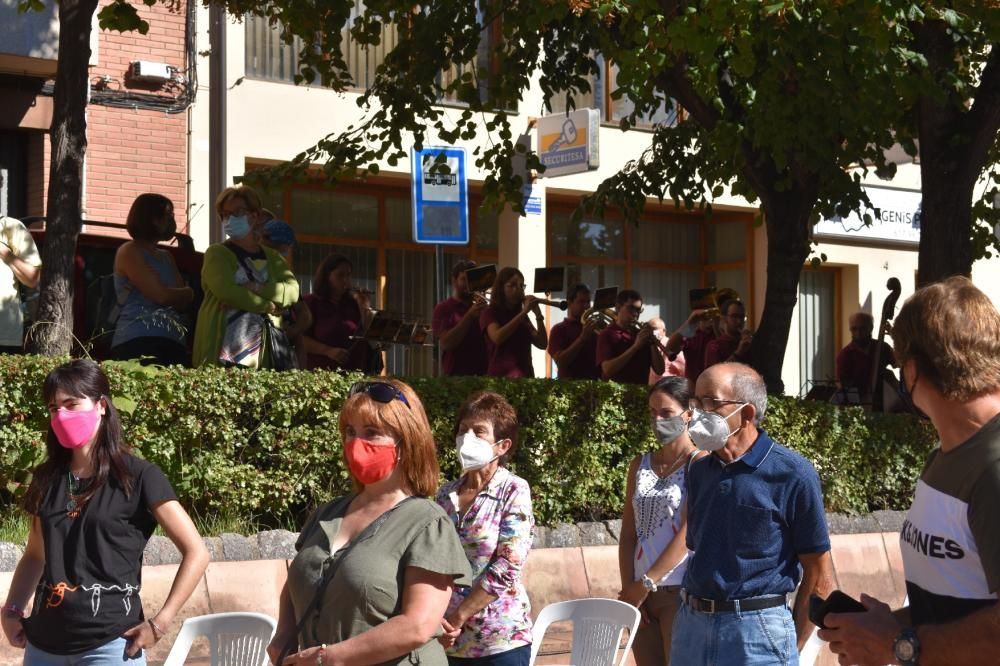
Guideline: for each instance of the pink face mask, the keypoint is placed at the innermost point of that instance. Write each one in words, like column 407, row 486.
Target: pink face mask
column 74, row 428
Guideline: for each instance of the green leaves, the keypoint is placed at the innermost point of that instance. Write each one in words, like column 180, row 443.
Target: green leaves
column 123, row 17
column 264, row 447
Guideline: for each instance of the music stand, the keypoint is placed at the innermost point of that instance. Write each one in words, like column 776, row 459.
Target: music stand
column 549, row 280
column 481, row 278
column 605, row 298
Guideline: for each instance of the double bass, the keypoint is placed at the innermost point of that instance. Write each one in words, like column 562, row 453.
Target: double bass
column 884, row 386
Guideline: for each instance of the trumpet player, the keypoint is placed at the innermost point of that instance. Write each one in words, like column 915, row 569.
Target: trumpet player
column 573, row 342
column 733, row 341
column 693, row 348
column 508, row 330
column 456, row 326
column 626, row 350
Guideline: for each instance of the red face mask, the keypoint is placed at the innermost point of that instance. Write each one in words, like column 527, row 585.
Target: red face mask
column 370, row 462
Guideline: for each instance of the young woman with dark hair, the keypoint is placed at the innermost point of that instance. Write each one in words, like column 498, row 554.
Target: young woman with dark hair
column 149, row 289
column 94, row 506
column 339, row 313
column 652, row 552
column 509, row 334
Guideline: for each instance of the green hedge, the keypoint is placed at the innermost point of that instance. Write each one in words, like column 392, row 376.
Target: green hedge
column 265, row 446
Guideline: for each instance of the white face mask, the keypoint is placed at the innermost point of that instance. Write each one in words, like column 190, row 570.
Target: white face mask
column 474, row 452
column 710, row 431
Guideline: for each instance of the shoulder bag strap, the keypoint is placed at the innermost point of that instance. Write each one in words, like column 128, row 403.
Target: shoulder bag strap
column 331, row 570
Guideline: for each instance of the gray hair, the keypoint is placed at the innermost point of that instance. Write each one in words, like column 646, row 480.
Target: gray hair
column 747, row 385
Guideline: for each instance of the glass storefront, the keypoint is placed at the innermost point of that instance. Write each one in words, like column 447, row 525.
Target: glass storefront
column 663, row 257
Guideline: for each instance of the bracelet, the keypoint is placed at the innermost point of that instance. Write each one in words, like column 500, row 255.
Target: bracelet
column 157, row 632
column 13, row 609
column 320, row 655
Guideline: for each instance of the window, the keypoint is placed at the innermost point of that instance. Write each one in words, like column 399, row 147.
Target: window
column 613, row 110
column 817, row 327
column 587, row 238
column 371, row 225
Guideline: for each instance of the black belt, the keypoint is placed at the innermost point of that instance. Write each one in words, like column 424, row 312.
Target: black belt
column 713, row 606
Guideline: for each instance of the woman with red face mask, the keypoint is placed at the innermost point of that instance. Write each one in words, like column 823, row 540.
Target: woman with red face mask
column 375, row 569
column 94, row 506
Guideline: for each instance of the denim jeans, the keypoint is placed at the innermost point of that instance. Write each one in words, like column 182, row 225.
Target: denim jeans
column 519, row 656
column 748, row 638
column 109, row 653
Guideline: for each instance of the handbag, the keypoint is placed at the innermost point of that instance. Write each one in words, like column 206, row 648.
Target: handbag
column 243, row 339
column 293, row 644
column 279, row 347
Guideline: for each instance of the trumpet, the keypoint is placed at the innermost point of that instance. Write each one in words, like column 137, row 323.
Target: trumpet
column 600, row 318
column 562, row 305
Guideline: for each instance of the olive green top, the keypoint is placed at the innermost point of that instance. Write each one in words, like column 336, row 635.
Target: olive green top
column 367, row 588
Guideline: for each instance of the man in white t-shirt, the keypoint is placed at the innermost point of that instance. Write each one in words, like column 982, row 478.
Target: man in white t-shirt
column 19, row 263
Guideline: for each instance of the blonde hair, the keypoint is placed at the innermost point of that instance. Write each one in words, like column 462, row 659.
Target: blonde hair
column 408, row 426
column 247, row 194
column 951, row 330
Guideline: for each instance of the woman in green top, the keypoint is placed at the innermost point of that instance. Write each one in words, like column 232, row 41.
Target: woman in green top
column 240, row 275
column 382, row 593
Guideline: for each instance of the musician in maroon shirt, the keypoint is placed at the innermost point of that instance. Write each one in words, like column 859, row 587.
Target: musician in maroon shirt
column 340, row 315
column 733, row 342
column 625, row 350
column 456, row 327
column 693, row 347
column 509, row 333
column 573, row 343
column 854, row 362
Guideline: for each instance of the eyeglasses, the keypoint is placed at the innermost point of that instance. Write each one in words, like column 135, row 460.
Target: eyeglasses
column 379, row 392
column 634, row 309
column 737, row 317
column 710, row 404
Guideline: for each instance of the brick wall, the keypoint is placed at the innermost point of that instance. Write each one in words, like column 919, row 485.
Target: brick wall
column 134, row 151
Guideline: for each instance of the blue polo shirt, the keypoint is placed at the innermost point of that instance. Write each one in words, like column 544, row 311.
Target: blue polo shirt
column 748, row 519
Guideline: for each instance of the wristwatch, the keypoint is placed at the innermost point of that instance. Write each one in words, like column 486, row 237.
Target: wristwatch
column 906, row 647
column 648, row 583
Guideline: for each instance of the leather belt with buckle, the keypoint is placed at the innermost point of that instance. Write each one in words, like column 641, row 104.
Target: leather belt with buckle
column 713, row 606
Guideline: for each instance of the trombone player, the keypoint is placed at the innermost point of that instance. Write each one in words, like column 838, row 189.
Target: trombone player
column 456, row 326
column 573, row 342
column 627, row 350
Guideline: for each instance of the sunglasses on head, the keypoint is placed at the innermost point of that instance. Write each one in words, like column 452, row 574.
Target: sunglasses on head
column 378, row 391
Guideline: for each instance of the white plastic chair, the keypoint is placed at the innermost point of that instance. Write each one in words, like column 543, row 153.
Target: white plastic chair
column 234, row 639
column 597, row 629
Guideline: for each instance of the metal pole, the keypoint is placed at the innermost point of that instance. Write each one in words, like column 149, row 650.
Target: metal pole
column 216, row 114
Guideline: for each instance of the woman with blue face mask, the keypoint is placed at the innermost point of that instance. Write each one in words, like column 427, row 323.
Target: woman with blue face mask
column 489, row 622
column 652, row 553
column 240, row 276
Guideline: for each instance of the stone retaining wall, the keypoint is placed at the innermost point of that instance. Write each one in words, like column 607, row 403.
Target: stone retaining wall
column 280, row 544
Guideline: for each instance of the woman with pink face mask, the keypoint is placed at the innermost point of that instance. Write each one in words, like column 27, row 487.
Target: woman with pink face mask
column 375, row 569
column 94, row 507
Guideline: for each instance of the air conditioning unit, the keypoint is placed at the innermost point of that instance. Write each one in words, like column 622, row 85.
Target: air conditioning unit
column 150, row 72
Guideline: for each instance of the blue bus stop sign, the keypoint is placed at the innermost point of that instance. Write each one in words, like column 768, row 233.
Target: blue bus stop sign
column 440, row 196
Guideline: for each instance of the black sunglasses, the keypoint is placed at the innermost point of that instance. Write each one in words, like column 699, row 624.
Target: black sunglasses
column 378, row 391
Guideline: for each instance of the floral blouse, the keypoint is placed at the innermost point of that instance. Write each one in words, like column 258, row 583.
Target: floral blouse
column 496, row 533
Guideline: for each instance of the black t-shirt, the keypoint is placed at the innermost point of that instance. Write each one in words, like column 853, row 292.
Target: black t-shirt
column 89, row 591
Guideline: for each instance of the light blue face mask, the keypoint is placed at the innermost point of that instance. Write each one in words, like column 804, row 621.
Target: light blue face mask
column 237, row 226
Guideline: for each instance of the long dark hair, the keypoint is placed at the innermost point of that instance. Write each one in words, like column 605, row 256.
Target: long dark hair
column 321, row 280
column 498, row 300
column 84, row 379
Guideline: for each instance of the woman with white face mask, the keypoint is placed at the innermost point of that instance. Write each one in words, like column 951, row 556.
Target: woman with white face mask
column 652, row 553
column 489, row 622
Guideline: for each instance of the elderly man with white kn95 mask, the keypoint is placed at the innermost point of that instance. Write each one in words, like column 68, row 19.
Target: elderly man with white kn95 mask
column 755, row 514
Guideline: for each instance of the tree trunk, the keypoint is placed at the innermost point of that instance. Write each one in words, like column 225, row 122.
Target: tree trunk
column 53, row 335
column 787, row 218
column 954, row 148
column 945, row 221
